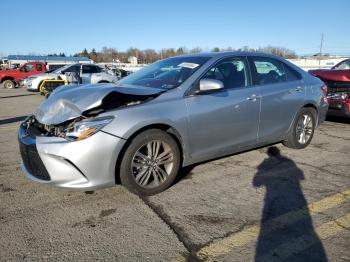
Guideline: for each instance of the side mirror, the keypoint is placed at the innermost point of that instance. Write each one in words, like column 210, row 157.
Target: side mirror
column 207, row 84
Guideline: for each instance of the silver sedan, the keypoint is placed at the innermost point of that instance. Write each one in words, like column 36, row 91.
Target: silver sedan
column 171, row 114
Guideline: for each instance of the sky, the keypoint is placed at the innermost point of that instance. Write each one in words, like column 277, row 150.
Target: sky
column 69, row 26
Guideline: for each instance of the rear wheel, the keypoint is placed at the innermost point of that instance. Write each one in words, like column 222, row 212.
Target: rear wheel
column 9, row 84
column 302, row 130
column 150, row 163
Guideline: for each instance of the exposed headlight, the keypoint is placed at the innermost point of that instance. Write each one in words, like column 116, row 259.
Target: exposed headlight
column 28, row 82
column 87, row 128
column 344, row 96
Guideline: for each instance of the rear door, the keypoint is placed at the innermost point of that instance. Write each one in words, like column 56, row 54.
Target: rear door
column 224, row 120
column 282, row 95
column 88, row 71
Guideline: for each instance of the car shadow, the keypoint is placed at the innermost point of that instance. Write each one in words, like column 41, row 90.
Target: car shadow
column 338, row 119
column 286, row 229
column 184, row 173
column 12, row 120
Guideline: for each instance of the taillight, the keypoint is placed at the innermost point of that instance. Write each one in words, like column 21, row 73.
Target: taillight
column 324, row 89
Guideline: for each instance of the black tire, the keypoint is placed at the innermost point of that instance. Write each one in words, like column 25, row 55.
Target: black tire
column 293, row 139
column 9, row 84
column 129, row 174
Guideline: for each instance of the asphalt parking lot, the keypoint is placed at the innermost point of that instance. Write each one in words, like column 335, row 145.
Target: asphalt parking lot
column 268, row 204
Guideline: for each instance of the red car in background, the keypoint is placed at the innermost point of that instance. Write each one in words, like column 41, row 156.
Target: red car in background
column 10, row 78
column 337, row 80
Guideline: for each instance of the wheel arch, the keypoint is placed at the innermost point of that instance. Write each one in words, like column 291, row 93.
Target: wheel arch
column 161, row 126
column 308, row 104
column 313, row 106
column 8, row 78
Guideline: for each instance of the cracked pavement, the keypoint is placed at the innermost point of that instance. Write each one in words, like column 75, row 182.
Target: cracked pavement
column 212, row 203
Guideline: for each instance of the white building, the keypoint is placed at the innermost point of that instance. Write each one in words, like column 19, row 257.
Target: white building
column 132, row 60
column 51, row 61
column 316, row 63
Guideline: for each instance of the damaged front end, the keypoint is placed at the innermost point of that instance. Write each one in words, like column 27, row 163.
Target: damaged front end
column 49, row 156
column 71, row 130
column 72, row 112
column 338, row 98
column 48, row 152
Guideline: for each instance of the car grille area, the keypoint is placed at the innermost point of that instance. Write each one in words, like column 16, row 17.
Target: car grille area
column 52, row 85
column 337, row 87
column 32, row 161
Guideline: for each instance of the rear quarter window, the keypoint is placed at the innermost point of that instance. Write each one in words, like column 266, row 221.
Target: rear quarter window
column 291, row 74
column 39, row 67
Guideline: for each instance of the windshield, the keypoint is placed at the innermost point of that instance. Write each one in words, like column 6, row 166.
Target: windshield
column 166, row 74
column 342, row 65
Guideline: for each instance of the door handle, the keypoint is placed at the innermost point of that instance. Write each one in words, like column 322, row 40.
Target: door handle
column 253, row 97
column 297, row 89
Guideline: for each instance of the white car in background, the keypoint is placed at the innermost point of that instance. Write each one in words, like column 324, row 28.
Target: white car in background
column 89, row 74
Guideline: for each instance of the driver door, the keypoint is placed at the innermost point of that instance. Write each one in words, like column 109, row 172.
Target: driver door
column 224, row 120
column 27, row 70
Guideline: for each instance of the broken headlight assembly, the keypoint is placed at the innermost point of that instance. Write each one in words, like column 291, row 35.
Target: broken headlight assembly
column 86, row 128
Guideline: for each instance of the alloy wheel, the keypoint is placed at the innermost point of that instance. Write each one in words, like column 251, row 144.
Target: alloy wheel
column 152, row 164
column 304, row 128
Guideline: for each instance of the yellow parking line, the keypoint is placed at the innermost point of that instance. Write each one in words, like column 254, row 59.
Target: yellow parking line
column 251, row 233
column 8, row 127
column 179, row 259
column 333, row 227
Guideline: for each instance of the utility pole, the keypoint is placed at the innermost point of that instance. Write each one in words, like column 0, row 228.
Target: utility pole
column 320, row 54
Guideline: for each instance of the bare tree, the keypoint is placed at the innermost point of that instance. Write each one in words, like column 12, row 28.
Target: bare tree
column 147, row 56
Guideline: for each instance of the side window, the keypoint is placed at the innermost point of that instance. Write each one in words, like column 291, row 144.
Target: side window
column 90, row 69
column 267, row 71
column 74, row 68
column 232, row 72
column 27, row 68
column 98, row 69
column 39, row 67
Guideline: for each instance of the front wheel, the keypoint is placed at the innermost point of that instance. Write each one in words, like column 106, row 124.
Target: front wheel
column 302, row 130
column 9, row 84
column 150, row 163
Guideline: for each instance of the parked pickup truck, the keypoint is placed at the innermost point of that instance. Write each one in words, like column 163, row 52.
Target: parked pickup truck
column 11, row 78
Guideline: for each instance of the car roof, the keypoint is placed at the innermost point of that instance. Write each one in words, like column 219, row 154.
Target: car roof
column 230, row 53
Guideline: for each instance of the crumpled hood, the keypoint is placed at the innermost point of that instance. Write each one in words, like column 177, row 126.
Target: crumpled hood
column 331, row 74
column 69, row 102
